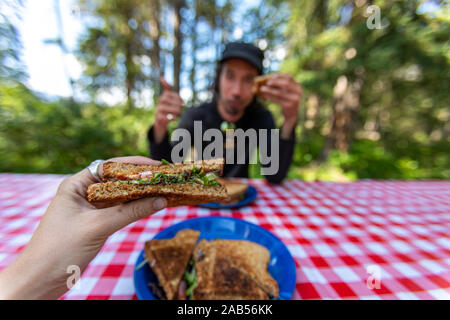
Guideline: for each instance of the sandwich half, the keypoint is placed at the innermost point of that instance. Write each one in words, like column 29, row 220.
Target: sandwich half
column 236, row 190
column 169, row 258
column 258, row 82
column 233, row 269
column 220, row 279
column 180, row 183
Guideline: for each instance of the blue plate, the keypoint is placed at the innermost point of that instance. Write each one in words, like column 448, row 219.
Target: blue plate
column 250, row 196
column 281, row 265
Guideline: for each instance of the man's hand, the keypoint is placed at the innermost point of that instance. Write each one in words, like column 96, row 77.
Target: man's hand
column 168, row 109
column 283, row 90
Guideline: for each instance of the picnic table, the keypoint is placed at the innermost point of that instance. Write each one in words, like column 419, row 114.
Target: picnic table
column 360, row 240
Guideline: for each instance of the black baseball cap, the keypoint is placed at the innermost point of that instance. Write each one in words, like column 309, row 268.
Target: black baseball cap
column 245, row 51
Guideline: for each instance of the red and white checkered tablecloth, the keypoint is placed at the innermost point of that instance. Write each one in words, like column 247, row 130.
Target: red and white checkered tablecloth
column 362, row 240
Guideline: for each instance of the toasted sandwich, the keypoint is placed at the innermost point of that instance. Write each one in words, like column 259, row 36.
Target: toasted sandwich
column 180, row 183
column 233, row 269
column 236, row 190
column 258, row 82
column 219, row 279
column 169, row 258
column 252, row 259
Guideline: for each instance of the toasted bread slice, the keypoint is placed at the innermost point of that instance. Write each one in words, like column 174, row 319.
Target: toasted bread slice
column 169, row 258
column 218, row 278
column 175, row 194
column 258, row 82
column 235, row 190
column 252, row 259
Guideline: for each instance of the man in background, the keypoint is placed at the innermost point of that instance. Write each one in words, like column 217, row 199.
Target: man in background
column 234, row 105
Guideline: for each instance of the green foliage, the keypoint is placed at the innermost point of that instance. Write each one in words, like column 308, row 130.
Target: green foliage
column 11, row 68
column 115, row 50
column 401, row 128
column 369, row 160
column 63, row 136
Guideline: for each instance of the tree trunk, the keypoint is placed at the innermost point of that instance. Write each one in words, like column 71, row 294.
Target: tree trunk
column 192, row 79
column 177, row 45
column 129, row 66
column 62, row 46
column 155, row 53
column 346, row 105
column 218, row 24
column 129, row 81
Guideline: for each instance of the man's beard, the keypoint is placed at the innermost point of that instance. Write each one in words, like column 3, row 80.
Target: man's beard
column 231, row 108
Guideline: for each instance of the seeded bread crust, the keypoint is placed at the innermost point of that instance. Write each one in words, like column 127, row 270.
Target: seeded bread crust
column 176, row 194
column 120, row 171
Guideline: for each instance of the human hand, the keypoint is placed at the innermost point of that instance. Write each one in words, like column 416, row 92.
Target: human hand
column 283, row 90
column 71, row 233
column 168, row 109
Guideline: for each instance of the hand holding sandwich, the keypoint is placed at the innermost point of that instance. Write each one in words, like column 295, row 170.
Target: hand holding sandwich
column 283, row 90
column 71, row 233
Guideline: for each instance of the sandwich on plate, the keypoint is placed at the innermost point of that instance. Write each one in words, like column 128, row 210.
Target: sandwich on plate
column 168, row 260
column 233, row 270
column 210, row 270
column 180, row 183
column 236, row 190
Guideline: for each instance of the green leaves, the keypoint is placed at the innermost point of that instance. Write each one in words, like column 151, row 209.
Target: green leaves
column 402, row 66
column 196, row 176
column 191, row 279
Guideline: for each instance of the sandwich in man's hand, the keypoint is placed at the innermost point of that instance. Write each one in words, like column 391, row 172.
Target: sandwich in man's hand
column 258, row 82
column 180, row 183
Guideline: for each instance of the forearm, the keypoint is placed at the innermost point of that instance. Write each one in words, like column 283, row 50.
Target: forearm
column 159, row 132
column 41, row 269
column 32, row 276
column 287, row 129
column 161, row 150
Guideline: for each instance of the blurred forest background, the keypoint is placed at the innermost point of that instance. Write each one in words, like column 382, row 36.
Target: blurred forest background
column 376, row 91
